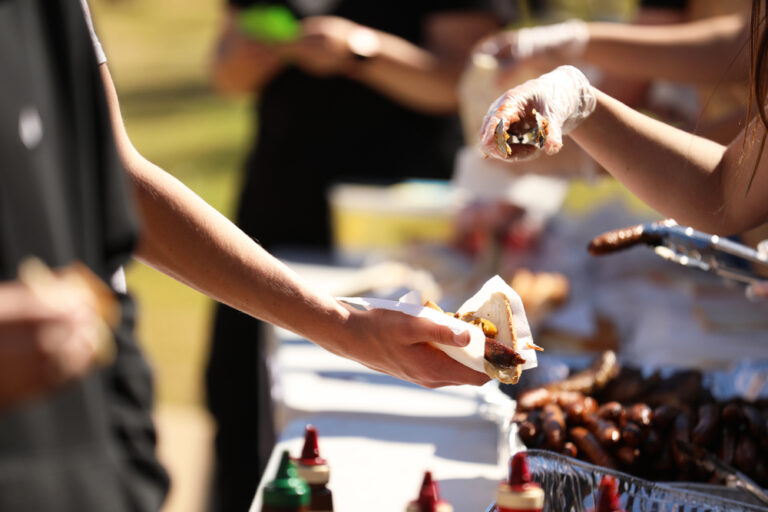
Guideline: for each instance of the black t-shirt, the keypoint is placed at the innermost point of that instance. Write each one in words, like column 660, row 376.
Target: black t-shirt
column 64, row 197
column 314, row 131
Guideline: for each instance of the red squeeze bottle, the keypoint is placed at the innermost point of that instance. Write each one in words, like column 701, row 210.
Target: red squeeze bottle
column 315, row 470
column 520, row 493
column 607, row 496
column 429, row 498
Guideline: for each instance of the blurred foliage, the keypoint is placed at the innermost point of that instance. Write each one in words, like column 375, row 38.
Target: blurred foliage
column 159, row 53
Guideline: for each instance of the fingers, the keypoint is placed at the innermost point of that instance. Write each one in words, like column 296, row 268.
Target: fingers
column 435, row 369
column 399, row 345
column 424, row 330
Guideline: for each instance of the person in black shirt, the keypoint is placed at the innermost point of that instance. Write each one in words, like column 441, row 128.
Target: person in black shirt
column 78, row 438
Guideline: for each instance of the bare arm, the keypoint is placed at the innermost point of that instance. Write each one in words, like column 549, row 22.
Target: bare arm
column 706, row 51
column 426, row 78
column 187, row 239
column 694, row 180
column 421, row 78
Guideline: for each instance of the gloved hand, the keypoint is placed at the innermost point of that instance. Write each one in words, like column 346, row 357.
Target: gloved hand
column 562, row 98
column 544, row 47
column 759, row 291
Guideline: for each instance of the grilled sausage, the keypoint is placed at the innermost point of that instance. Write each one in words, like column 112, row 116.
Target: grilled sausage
column 553, row 423
column 590, row 447
column 708, row 425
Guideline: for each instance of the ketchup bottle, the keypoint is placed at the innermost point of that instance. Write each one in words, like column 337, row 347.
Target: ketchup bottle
column 429, row 498
column 519, row 493
column 288, row 492
column 316, row 472
column 608, row 496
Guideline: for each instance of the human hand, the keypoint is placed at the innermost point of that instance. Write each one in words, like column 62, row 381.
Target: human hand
column 323, row 48
column 537, row 49
column 397, row 344
column 563, row 98
column 44, row 343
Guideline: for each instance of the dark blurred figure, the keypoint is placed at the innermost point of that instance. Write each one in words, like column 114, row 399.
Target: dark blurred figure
column 73, row 437
column 377, row 81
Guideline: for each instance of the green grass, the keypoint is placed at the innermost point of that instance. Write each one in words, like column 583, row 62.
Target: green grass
column 159, row 53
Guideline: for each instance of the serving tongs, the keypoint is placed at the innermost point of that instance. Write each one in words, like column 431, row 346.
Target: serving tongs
column 732, row 476
column 688, row 247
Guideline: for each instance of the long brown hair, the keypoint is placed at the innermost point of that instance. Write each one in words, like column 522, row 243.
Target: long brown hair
column 759, row 59
column 758, row 74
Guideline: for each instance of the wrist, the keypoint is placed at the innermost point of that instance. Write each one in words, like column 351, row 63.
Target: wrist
column 580, row 96
column 363, row 44
column 568, row 39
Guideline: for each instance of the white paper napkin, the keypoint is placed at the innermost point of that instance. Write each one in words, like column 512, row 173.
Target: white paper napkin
column 471, row 355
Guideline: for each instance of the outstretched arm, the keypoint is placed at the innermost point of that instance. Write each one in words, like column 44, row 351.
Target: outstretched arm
column 708, row 51
column 696, row 181
column 187, row 239
column 692, row 179
column 421, row 78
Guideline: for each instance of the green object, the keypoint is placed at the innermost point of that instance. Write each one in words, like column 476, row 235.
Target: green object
column 287, row 489
column 273, row 23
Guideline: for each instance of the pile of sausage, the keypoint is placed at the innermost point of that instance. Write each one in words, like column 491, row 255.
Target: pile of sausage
column 631, row 423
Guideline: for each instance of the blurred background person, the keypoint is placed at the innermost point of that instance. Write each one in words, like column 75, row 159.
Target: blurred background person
column 363, row 92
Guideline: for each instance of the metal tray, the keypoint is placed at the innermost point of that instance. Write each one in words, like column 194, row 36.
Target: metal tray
column 571, row 486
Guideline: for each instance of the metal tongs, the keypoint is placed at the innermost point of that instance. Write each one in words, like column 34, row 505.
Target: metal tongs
column 687, row 247
column 731, row 476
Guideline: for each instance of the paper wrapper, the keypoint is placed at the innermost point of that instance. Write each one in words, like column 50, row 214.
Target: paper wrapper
column 471, row 355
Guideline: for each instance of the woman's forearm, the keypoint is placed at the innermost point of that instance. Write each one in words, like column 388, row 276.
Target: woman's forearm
column 708, row 51
column 694, row 180
column 425, row 78
column 410, row 75
column 676, row 173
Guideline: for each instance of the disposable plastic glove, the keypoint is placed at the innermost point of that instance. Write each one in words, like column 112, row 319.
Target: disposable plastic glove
column 562, row 98
column 562, row 40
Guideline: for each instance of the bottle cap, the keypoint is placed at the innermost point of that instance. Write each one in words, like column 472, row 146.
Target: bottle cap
column 287, row 489
column 313, row 468
column 608, row 497
column 310, row 455
column 520, row 471
column 429, row 497
column 520, row 492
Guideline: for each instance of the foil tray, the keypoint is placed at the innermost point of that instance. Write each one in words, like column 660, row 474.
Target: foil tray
column 571, row 486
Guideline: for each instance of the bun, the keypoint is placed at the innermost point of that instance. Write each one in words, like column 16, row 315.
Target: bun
column 498, row 310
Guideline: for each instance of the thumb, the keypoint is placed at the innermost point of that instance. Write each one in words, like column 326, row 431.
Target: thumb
column 554, row 141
